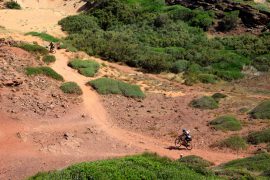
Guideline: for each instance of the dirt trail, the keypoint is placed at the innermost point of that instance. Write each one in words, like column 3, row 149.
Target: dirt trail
column 94, row 107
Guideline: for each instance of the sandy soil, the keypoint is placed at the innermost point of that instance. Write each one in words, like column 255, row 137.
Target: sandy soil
column 40, row 16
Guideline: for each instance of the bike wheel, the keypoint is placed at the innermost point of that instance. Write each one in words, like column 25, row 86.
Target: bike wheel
column 189, row 147
column 177, row 142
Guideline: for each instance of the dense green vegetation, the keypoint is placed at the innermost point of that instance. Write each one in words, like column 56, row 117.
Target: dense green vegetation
column 247, row 168
column 87, row 68
column 233, row 142
column 146, row 166
column 259, row 137
column 151, row 166
column 44, row 36
column 262, row 111
column 205, row 102
column 71, row 88
column 33, row 48
column 111, row 86
column 156, row 37
column 226, row 123
column 47, row 71
column 49, row 59
column 12, row 5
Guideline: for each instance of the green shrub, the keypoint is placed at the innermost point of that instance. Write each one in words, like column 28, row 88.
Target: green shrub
column 266, row 173
column 218, row 96
column 68, row 46
column 262, row 63
column 87, row 68
column 259, row 137
column 234, row 143
column 71, row 88
column 146, row 166
column 257, row 163
column 12, row 5
column 43, row 36
column 179, row 66
column 75, row 24
column 198, row 164
column 207, row 78
column 49, row 59
column 195, row 160
column 229, row 21
column 33, row 48
column 204, row 102
column 235, row 174
column 226, row 123
column 262, row 111
column 47, row 71
column 203, row 20
column 111, row 86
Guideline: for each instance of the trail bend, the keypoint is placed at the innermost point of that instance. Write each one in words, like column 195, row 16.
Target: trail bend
column 94, row 107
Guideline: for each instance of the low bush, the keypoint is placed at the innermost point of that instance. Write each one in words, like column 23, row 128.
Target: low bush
column 229, row 21
column 205, row 102
column 68, row 46
column 257, row 163
column 226, row 123
column 44, row 36
column 195, row 160
column 71, row 88
column 198, row 164
column 235, row 174
column 207, row 78
column 146, row 166
column 33, row 48
column 262, row 111
column 259, row 137
column 12, row 5
column 47, row 71
column 179, row 66
column 233, row 142
column 111, row 86
column 85, row 67
column 218, row 96
column 262, row 63
column 49, row 59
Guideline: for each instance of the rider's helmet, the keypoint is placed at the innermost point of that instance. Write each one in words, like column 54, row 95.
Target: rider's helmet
column 184, row 130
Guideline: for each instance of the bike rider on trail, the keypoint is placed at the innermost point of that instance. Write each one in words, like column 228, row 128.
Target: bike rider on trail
column 51, row 45
column 185, row 136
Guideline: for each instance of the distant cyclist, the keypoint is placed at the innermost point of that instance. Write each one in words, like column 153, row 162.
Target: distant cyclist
column 52, row 47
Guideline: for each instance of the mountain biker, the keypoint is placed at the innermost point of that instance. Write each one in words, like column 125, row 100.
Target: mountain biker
column 51, row 45
column 185, row 136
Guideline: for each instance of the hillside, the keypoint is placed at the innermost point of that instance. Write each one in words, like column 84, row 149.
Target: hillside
column 125, row 78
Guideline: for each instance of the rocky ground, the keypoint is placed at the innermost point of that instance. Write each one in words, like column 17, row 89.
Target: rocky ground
column 37, row 96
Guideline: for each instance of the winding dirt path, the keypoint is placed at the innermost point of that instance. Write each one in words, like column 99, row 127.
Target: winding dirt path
column 94, row 107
